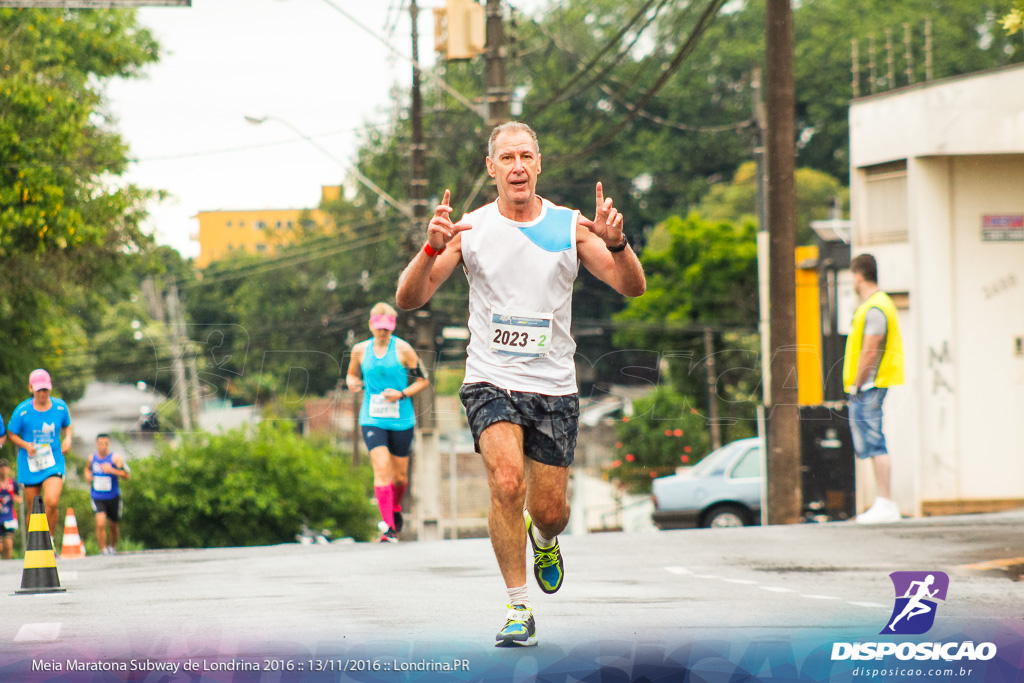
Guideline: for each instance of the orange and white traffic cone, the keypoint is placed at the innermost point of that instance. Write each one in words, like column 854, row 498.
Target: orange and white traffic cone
column 71, row 547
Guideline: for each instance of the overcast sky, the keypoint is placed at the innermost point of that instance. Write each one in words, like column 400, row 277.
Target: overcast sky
column 299, row 60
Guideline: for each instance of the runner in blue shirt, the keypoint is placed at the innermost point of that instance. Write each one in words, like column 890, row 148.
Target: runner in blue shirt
column 41, row 429
column 104, row 471
column 383, row 366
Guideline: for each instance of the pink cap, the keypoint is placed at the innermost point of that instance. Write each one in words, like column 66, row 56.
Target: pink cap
column 39, row 379
column 382, row 322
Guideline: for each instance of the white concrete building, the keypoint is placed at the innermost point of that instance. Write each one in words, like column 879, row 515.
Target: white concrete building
column 937, row 192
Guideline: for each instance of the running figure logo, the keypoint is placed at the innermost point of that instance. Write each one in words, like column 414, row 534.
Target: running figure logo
column 916, row 593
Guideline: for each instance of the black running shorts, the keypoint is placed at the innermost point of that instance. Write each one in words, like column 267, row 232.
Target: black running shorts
column 549, row 423
column 398, row 442
column 111, row 507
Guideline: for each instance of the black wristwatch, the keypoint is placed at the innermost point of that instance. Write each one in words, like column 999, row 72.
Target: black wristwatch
column 623, row 245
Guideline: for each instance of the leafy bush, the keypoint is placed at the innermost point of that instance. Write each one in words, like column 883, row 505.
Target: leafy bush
column 245, row 487
column 665, row 431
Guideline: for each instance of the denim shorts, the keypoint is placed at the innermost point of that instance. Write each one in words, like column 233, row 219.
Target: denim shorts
column 866, row 423
column 549, row 423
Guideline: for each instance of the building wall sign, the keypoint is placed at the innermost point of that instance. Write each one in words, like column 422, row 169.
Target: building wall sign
column 1002, row 228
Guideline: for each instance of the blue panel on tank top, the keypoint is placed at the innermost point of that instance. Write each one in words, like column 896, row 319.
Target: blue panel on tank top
column 553, row 233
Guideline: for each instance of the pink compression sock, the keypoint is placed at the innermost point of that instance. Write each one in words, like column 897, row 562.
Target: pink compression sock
column 398, row 490
column 386, row 503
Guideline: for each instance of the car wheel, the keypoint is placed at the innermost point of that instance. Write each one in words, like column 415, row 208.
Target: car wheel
column 726, row 516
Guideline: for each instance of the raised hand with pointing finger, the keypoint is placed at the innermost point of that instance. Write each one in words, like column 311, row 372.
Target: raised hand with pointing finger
column 607, row 223
column 441, row 230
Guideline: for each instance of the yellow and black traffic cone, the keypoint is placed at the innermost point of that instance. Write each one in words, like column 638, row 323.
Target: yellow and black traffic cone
column 40, row 573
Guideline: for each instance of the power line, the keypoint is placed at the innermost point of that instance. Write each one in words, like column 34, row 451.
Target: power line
column 191, row 155
column 301, row 249
column 685, row 49
column 563, row 92
column 291, row 262
column 465, row 101
column 617, row 96
column 333, row 322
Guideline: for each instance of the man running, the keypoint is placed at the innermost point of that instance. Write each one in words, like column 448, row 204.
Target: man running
column 105, row 471
column 383, row 366
column 8, row 515
column 915, row 606
column 41, row 429
column 521, row 255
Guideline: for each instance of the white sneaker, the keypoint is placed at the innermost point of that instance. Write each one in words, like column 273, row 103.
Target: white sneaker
column 882, row 511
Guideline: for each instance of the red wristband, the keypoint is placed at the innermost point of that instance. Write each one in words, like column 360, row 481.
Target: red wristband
column 430, row 251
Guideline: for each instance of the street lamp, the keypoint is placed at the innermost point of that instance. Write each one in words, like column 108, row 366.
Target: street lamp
column 401, row 206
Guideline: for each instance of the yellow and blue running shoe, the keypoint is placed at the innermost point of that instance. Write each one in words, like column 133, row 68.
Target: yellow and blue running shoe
column 548, row 568
column 520, row 629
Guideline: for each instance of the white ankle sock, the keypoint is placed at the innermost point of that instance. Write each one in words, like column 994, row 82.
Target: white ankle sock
column 541, row 541
column 517, row 596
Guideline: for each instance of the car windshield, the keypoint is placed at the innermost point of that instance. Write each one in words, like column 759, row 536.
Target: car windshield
column 715, row 462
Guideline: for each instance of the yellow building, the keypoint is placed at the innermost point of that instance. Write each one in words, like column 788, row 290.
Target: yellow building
column 256, row 231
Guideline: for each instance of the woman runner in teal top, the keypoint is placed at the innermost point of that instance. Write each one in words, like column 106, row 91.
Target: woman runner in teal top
column 382, row 367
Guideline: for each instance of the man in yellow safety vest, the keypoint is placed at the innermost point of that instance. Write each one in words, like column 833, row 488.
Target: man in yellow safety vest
column 873, row 363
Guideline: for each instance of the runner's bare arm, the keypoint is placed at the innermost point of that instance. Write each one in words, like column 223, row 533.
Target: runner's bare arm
column 620, row 270
column 425, row 273
column 88, row 469
column 870, row 357
column 30, row 448
column 354, row 376
column 122, row 470
column 65, row 439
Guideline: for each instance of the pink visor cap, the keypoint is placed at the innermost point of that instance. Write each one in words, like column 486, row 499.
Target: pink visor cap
column 39, row 379
column 382, row 322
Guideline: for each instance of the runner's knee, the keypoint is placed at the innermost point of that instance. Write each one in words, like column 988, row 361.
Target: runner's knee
column 508, row 485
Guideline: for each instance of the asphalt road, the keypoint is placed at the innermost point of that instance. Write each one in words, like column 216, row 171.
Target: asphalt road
column 411, row 601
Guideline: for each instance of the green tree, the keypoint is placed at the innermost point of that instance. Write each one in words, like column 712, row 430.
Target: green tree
column 660, row 160
column 66, row 230
column 699, row 272
column 817, row 195
column 246, row 488
column 264, row 327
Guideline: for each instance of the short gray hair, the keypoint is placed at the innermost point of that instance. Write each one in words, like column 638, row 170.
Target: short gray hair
column 511, row 127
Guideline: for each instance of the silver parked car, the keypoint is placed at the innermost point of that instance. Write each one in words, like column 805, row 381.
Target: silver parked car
column 722, row 490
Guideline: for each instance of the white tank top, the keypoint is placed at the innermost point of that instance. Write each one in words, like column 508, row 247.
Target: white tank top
column 520, row 299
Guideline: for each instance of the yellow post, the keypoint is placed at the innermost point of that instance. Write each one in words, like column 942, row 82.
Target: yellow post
column 811, row 387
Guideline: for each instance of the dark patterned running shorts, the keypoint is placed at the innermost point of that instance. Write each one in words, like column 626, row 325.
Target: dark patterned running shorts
column 549, row 423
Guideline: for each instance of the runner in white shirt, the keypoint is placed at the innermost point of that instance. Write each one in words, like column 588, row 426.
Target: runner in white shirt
column 521, row 255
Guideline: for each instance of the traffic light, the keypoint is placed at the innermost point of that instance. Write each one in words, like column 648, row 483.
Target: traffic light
column 459, row 29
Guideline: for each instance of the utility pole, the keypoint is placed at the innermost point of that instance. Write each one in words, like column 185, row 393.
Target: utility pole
column 712, row 384
column 419, row 149
column 497, row 57
column 178, row 339
column 427, row 466
column 784, row 476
